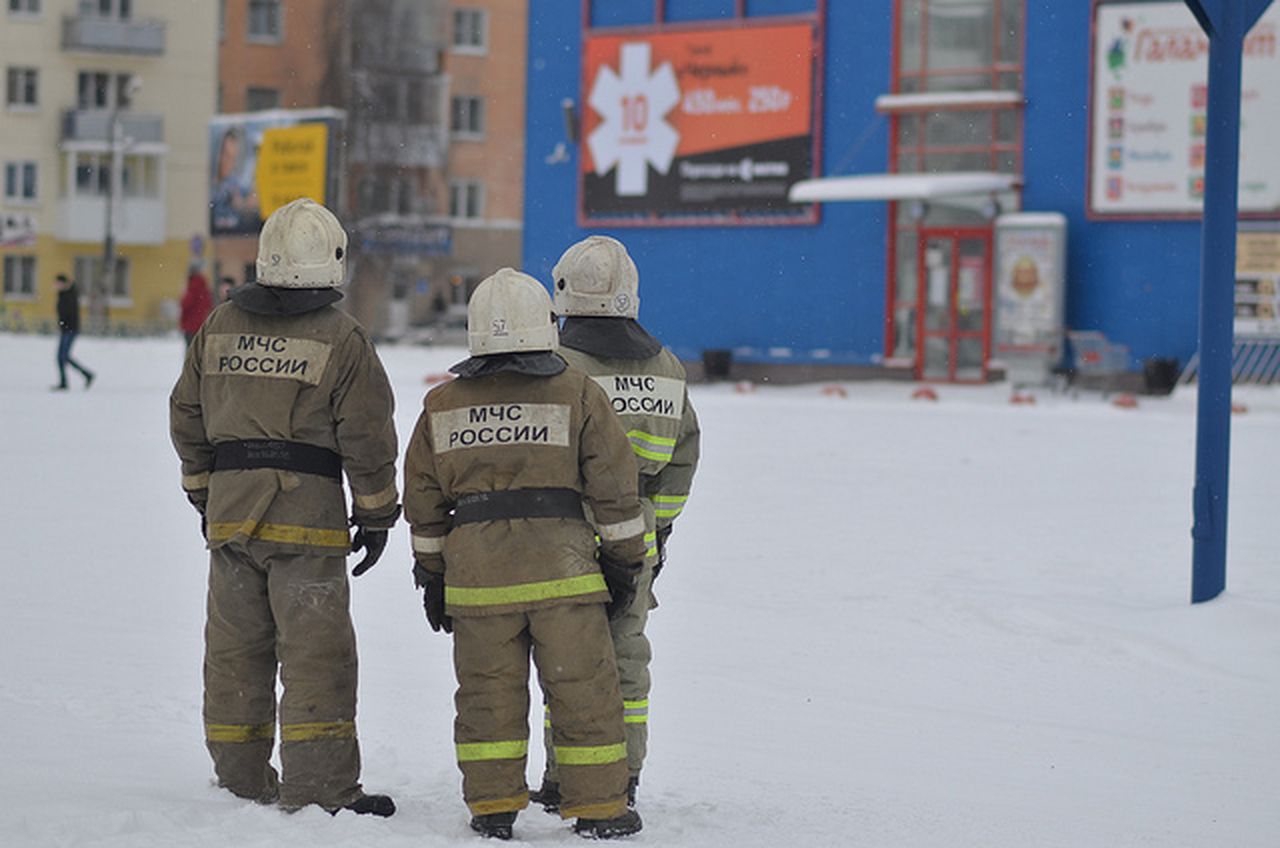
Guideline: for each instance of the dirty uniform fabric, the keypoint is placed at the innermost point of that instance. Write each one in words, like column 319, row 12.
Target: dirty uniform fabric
column 279, row 396
column 521, row 587
column 646, row 387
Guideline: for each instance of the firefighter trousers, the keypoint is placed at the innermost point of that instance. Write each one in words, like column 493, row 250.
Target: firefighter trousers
column 631, row 647
column 270, row 610
column 571, row 648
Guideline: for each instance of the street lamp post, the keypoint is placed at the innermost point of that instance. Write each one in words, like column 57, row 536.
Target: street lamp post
column 103, row 285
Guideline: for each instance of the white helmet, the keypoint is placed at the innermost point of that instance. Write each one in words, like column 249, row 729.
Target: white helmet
column 510, row 312
column 597, row 277
column 302, row 246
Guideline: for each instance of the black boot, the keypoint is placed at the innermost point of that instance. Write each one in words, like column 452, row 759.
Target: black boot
column 633, row 783
column 494, row 825
column 370, row 805
column 548, row 796
column 624, row 825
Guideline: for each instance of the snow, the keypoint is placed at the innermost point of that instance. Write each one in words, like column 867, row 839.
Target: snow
column 885, row 622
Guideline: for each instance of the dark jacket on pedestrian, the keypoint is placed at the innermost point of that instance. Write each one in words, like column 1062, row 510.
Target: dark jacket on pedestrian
column 69, row 309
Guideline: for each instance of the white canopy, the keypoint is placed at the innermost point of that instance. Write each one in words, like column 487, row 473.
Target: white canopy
column 900, row 186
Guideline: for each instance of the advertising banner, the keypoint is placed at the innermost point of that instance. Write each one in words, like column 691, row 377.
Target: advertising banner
column 262, row 160
column 1030, row 281
column 1258, row 283
column 1150, row 107
column 708, row 122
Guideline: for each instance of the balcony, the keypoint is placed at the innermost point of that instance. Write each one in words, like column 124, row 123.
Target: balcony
column 93, row 125
column 113, row 35
column 404, row 145
column 134, row 220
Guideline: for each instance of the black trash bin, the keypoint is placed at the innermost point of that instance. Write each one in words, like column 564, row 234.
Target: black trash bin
column 1160, row 375
column 716, row 364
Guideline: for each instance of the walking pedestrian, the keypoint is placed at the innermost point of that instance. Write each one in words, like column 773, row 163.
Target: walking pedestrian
column 69, row 325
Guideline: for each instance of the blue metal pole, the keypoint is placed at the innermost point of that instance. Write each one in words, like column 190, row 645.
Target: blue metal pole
column 1217, row 305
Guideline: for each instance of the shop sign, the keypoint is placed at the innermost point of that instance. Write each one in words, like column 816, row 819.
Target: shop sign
column 1149, row 113
column 706, row 123
column 1258, row 283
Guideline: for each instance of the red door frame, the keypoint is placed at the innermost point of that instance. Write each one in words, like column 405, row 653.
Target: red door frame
column 953, row 334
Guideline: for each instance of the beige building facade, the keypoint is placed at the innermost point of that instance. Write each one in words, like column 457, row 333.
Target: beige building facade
column 103, row 139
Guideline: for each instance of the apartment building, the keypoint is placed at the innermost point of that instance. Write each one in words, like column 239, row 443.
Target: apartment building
column 425, row 101
column 103, row 151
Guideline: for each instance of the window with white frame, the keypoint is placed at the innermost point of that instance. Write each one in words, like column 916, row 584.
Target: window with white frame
column 470, row 30
column 466, row 199
column 265, row 20
column 20, row 181
column 24, row 7
column 22, row 87
column 467, row 116
column 19, row 276
column 88, row 269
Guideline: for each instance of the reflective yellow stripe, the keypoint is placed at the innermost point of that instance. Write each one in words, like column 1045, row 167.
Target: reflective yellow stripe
column 651, row 544
column 499, row 805
column 474, row 752
column 590, row 755
column 649, row 446
column 668, row 506
column 635, row 712
column 381, row 499
column 286, row 533
column 310, row 731
column 239, row 732
column 568, row 587
column 195, row 482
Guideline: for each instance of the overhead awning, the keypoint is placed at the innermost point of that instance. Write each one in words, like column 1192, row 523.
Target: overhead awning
column 901, row 186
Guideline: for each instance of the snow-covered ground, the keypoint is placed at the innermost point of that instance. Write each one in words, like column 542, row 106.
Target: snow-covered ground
column 885, row 622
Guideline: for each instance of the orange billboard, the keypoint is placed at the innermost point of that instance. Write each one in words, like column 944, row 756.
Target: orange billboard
column 706, row 122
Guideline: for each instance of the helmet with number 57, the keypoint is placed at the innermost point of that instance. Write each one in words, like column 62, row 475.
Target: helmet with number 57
column 510, row 312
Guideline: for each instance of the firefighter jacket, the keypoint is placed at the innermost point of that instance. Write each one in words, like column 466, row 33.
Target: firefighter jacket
column 276, row 385
column 650, row 397
column 518, row 432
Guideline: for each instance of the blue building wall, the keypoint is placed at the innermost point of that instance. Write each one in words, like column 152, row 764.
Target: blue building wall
column 823, row 287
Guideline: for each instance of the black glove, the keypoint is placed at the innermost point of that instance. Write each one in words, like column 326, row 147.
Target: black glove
column 663, row 533
column 432, row 585
column 374, row 542
column 200, row 500
column 621, row 578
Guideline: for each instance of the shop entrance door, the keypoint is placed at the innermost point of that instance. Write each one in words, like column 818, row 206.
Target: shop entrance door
column 954, row 307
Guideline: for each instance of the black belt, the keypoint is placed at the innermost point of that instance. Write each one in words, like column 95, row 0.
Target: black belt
column 518, row 503
column 277, row 453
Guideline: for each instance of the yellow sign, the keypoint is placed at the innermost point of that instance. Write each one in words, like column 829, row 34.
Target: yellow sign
column 291, row 164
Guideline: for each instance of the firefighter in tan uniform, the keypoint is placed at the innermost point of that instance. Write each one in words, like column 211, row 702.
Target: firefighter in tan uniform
column 502, row 469
column 280, row 394
column 596, row 286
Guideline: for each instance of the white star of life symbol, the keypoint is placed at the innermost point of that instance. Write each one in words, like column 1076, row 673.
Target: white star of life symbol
column 634, row 132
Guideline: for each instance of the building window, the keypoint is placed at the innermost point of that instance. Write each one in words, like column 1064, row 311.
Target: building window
column 19, row 276
column 24, row 7
column 467, row 116
column 102, row 90
column 264, row 20
column 122, row 9
column 258, row 99
column 20, row 181
column 22, row 87
column 470, row 30
column 466, row 199
column 88, row 270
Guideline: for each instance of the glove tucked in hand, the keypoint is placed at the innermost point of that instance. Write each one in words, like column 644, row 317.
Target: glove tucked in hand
column 621, row 578
column 663, row 533
column 432, row 585
column 373, row 542
column 199, row 499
